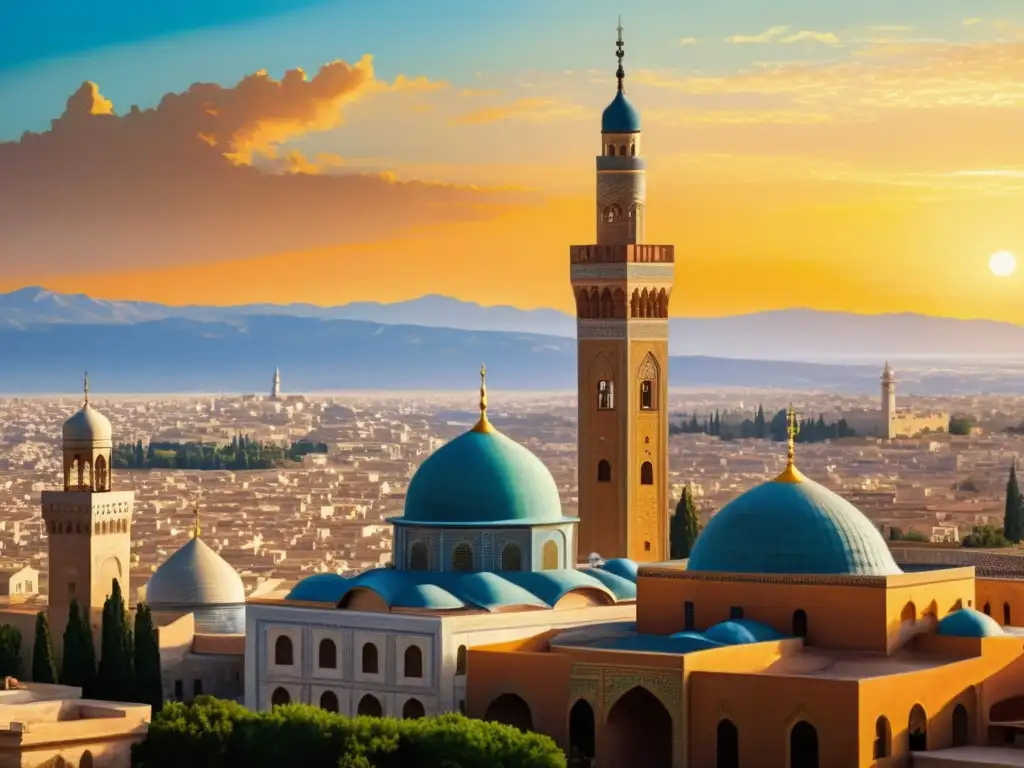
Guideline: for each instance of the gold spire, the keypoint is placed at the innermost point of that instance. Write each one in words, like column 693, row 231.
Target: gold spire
column 791, row 474
column 195, row 513
column 86, row 389
column 483, row 425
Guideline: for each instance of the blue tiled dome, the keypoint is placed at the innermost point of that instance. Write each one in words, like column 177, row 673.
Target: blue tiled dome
column 621, row 566
column 741, row 631
column 319, row 588
column 482, row 478
column 968, row 622
column 620, row 116
column 795, row 527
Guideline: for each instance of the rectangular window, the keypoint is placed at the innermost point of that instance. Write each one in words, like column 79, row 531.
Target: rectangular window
column 605, row 396
column 646, row 395
column 179, row 690
column 197, row 687
column 688, row 620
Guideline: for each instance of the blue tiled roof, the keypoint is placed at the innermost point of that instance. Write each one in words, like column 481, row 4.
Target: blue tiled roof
column 968, row 622
column 482, row 479
column 620, row 116
column 791, row 527
column 453, row 590
column 740, row 632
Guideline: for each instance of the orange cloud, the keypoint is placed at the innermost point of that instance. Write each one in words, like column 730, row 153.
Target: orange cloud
column 202, row 176
column 531, row 109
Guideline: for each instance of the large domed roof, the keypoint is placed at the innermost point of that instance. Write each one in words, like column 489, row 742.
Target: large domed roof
column 791, row 525
column 194, row 576
column 484, row 478
column 620, row 116
column 87, row 426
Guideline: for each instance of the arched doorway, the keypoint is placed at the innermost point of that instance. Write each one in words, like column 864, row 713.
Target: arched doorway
column 87, row 760
column 909, row 613
column 799, row 623
column 582, row 733
column 639, row 731
column 280, row 697
column 917, row 727
column 961, row 726
column 510, row 710
column 370, row 706
column 883, row 737
column 728, row 745
column 413, row 709
column 803, row 746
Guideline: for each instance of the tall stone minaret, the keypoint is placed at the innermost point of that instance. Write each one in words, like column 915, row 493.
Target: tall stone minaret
column 88, row 524
column 622, row 287
column 888, row 415
column 275, row 387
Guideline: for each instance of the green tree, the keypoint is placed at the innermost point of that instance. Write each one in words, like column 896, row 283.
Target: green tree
column 986, row 537
column 115, row 678
column 78, row 664
column 10, row 651
column 960, row 425
column 44, row 668
column 1013, row 516
column 210, row 734
column 684, row 527
column 148, row 682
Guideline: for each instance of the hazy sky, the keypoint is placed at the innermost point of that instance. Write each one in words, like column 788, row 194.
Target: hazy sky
column 859, row 156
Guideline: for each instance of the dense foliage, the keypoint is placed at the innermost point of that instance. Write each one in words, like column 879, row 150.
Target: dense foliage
column 211, row 733
column 717, row 425
column 898, row 534
column 44, row 668
column 243, row 452
column 78, row 664
column 1013, row 516
column 115, row 680
column 684, row 528
column 10, row 651
column 986, row 537
column 961, row 425
column 148, row 683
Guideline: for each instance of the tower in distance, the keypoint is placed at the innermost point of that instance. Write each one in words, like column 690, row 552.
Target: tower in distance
column 888, row 420
column 88, row 525
column 275, row 386
column 622, row 287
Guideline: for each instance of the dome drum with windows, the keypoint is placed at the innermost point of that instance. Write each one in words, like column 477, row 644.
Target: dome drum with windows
column 482, row 529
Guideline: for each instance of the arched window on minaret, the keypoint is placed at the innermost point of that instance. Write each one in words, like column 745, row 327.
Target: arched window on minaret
column 607, row 306
column 632, row 150
column 101, row 474
column 605, row 395
column 646, row 395
column 619, row 300
column 647, row 473
column 611, row 150
column 622, row 150
column 612, row 213
column 604, row 471
column 86, row 475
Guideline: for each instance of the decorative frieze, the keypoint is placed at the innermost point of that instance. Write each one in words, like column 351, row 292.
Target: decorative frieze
column 649, row 330
column 874, row 582
column 622, row 271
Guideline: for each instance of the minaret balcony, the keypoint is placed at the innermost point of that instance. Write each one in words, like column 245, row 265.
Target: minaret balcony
column 622, row 254
column 620, row 163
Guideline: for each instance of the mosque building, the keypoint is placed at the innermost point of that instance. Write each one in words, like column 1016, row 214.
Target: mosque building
column 482, row 554
column 197, row 599
column 790, row 638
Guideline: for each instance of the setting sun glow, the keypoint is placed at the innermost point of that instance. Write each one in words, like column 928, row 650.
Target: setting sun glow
column 1002, row 264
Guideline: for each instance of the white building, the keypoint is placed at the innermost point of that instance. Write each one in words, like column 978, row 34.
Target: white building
column 482, row 555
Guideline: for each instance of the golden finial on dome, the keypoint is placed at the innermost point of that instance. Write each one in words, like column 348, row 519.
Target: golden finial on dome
column 791, row 474
column 86, row 389
column 195, row 515
column 483, row 425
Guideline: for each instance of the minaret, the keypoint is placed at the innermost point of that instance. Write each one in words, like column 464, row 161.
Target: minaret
column 275, row 387
column 88, row 524
column 622, row 287
column 887, row 426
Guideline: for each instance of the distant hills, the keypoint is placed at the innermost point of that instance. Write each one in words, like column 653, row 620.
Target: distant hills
column 435, row 342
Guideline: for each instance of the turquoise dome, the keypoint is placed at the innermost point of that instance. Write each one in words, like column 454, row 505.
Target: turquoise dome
column 968, row 622
column 740, row 632
column 319, row 588
column 482, row 478
column 620, row 116
column 791, row 525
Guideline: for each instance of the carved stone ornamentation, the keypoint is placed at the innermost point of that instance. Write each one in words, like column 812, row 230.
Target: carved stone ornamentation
column 648, row 369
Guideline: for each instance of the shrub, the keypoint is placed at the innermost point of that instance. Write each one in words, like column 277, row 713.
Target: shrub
column 210, row 733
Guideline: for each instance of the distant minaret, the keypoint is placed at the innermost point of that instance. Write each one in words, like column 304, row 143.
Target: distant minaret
column 275, row 389
column 888, row 420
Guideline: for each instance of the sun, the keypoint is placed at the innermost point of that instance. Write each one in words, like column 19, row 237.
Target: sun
column 1002, row 264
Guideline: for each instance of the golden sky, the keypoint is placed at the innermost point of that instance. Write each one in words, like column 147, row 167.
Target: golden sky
column 869, row 174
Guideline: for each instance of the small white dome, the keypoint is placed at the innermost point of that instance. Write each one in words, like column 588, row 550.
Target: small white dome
column 192, row 577
column 87, row 426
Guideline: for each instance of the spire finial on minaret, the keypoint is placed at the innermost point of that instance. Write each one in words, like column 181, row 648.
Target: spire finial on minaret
column 195, row 515
column 483, row 425
column 791, row 474
column 620, row 73
column 86, row 388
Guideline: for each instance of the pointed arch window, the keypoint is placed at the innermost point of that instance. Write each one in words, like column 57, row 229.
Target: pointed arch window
column 462, row 557
column 647, row 473
column 604, row 471
column 418, row 558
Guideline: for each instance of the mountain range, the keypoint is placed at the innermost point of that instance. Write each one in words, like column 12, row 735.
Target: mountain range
column 437, row 342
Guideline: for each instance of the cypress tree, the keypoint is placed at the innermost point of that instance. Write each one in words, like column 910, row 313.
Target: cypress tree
column 148, row 682
column 78, row 665
column 684, row 528
column 1012, row 522
column 115, row 678
column 10, row 651
column 44, row 668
